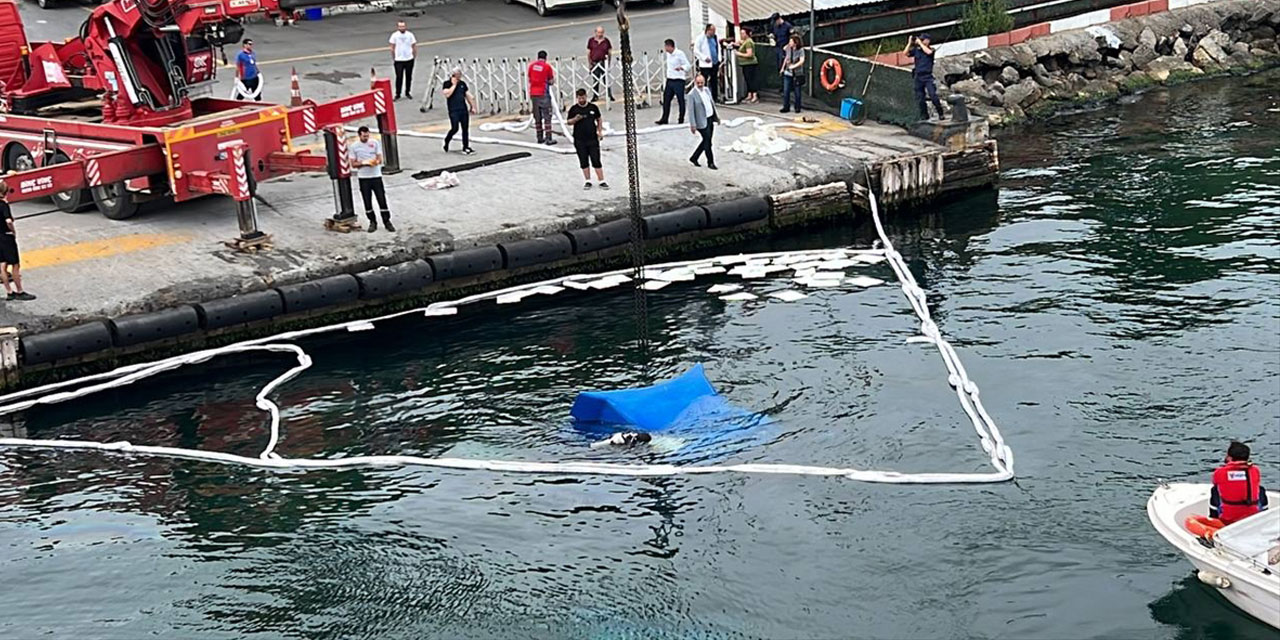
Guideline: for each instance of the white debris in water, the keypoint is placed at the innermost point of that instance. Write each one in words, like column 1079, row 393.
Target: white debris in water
column 547, row 290
column 828, row 275
column 675, row 275
column 723, row 288
column 608, row 282
column 818, row 283
column 709, row 270
column 360, row 326
column 864, row 281
column 440, row 311
column 869, row 258
column 654, row 285
column 732, row 260
column 788, row 295
column 512, row 298
column 742, row 296
column 835, row 265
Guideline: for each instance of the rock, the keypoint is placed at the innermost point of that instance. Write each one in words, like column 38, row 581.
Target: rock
column 996, row 87
column 1090, row 73
column 991, row 76
column 1099, row 89
column 1186, row 31
column 1126, row 60
column 1262, row 32
column 1009, row 75
column 1074, row 81
column 1042, row 76
column 1084, row 54
column 1023, row 56
column 974, row 87
column 1147, row 37
column 1240, row 47
column 1258, row 52
column 983, row 59
column 1144, row 55
column 1161, row 68
column 1180, row 48
column 1022, row 94
column 1209, row 54
column 1219, row 38
column 954, row 67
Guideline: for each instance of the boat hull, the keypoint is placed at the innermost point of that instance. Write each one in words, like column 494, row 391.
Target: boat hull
column 1246, row 585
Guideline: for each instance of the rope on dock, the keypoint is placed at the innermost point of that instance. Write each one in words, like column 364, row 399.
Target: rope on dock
column 967, row 392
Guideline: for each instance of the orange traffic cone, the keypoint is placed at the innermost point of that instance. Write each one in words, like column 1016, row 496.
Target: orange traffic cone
column 295, row 91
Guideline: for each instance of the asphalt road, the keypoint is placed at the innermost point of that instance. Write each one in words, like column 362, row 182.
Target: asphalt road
column 333, row 56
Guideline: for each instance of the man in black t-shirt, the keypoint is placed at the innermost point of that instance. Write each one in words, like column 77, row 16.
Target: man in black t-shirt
column 461, row 106
column 10, row 269
column 587, row 131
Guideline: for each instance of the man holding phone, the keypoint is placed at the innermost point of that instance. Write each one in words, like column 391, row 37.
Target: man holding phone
column 919, row 49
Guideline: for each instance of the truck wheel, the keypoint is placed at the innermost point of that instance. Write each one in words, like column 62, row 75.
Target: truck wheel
column 73, row 201
column 17, row 158
column 542, row 7
column 45, row 4
column 114, row 201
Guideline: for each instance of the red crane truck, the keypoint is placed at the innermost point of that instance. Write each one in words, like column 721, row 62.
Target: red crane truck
column 123, row 113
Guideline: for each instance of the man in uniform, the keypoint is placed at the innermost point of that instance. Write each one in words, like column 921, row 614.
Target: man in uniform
column 918, row 48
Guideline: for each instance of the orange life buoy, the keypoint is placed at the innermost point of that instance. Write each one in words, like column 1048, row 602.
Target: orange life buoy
column 831, row 83
column 1203, row 526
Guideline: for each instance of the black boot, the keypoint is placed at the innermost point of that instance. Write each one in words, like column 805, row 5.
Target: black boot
column 373, row 224
column 386, row 223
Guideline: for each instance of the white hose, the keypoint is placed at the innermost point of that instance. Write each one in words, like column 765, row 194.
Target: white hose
column 241, row 92
column 1000, row 455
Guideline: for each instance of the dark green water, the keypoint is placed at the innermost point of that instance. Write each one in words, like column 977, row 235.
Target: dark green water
column 1117, row 301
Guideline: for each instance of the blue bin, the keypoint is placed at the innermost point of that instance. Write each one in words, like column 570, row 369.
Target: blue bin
column 314, row 13
column 850, row 108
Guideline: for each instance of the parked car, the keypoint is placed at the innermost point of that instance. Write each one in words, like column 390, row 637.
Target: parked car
column 615, row 2
column 547, row 6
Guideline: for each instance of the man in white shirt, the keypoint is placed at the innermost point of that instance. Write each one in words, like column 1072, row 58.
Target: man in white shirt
column 707, row 50
column 677, row 75
column 404, row 48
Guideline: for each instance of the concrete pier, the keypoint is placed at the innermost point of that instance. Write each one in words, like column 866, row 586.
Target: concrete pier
column 111, row 292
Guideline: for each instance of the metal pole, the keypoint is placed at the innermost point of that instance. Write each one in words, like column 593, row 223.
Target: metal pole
column 641, row 308
column 813, row 30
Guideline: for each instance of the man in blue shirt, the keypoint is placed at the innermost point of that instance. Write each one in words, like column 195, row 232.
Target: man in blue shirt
column 248, row 82
column 920, row 51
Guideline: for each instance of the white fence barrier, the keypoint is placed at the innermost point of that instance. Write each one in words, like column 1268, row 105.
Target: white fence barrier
column 501, row 85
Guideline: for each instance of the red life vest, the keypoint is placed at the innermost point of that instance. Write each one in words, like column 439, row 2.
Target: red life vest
column 1238, row 486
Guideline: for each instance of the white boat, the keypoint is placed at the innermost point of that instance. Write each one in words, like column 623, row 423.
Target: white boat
column 1243, row 560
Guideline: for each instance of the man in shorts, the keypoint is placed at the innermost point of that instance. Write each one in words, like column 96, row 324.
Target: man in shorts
column 10, row 264
column 587, row 132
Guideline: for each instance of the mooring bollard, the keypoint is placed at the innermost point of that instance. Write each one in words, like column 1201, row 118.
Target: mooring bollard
column 959, row 110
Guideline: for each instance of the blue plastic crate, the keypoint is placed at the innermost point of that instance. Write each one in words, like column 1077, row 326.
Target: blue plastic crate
column 850, row 108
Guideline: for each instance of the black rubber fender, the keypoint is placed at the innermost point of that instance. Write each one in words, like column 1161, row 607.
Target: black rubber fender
column 400, row 278
column 70, row 342
column 318, row 294
column 467, row 262
column 601, row 236
column 148, row 327
column 241, row 309
column 660, row 225
column 736, row 212
column 524, row 253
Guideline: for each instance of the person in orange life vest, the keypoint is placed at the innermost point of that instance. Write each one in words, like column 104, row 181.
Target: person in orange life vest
column 1237, row 488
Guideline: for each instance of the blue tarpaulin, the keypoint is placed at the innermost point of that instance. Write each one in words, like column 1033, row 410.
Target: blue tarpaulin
column 686, row 401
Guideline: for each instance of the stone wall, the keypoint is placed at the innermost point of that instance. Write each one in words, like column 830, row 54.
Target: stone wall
column 1041, row 75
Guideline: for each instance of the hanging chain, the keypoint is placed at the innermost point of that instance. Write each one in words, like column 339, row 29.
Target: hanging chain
column 641, row 307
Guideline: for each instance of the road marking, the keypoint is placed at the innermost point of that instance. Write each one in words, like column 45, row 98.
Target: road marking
column 479, row 36
column 80, row 251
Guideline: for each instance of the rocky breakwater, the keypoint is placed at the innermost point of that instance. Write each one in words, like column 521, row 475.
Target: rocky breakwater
column 1042, row 75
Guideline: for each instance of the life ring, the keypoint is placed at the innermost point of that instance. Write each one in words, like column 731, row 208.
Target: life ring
column 832, row 83
column 1203, row 526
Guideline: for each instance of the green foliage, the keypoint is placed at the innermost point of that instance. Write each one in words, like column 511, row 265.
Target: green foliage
column 883, row 45
column 983, row 17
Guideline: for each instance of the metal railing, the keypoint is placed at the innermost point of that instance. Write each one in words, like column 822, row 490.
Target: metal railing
column 501, row 85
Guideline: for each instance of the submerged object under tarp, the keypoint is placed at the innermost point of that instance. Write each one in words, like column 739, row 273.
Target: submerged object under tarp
column 684, row 401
